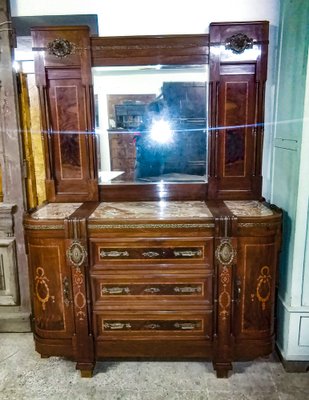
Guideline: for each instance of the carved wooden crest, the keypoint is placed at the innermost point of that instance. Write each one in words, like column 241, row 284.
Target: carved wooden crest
column 238, row 43
column 61, row 48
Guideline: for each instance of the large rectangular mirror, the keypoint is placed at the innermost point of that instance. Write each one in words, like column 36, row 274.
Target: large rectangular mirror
column 151, row 123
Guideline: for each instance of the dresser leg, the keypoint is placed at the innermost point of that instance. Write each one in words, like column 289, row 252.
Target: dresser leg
column 222, row 369
column 86, row 369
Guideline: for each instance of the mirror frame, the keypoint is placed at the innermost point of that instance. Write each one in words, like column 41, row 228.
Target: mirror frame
column 237, row 56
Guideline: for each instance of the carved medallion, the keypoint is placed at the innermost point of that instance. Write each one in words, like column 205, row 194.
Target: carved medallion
column 76, row 253
column 225, row 253
column 61, row 48
column 238, row 43
column 263, row 289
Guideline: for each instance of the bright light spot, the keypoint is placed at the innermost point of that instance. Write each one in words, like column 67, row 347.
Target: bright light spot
column 16, row 66
column 161, row 131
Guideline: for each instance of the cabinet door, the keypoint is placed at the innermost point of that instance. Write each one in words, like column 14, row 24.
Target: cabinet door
column 254, row 288
column 50, row 282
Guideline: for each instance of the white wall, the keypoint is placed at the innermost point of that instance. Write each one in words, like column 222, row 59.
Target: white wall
column 143, row 17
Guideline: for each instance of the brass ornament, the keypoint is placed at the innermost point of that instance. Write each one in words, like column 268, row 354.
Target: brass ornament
column 263, row 289
column 225, row 253
column 76, row 253
column 238, row 43
column 61, row 48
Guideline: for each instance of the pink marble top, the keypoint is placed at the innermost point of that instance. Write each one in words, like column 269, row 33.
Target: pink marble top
column 152, row 210
column 248, row 208
column 56, row 211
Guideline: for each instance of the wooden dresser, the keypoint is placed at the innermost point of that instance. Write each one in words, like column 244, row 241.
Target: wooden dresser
column 174, row 270
column 179, row 279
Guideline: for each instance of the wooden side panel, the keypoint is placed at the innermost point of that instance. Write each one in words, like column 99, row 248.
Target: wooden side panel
column 255, row 284
column 238, row 70
column 63, row 76
column 50, row 281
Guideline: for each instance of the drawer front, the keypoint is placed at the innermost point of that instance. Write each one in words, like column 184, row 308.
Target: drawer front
column 157, row 288
column 152, row 252
column 113, row 325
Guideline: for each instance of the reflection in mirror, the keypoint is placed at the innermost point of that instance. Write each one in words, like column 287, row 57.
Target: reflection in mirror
column 151, row 123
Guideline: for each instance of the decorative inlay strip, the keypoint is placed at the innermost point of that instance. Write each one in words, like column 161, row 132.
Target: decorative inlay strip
column 79, row 297
column 224, row 298
column 149, row 226
column 43, row 227
column 257, row 224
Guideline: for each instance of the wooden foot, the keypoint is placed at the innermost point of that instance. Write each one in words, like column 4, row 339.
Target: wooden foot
column 86, row 373
column 86, row 369
column 222, row 369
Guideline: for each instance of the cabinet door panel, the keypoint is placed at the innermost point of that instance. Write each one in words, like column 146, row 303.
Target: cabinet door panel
column 255, row 287
column 51, row 289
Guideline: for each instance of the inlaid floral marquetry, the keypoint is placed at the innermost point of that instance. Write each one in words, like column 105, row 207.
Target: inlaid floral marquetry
column 79, row 297
column 263, row 288
column 41, row 288
column 225, row 297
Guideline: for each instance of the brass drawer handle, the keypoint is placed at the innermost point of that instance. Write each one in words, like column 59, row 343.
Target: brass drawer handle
column 187, row 253
column 115, row 290
column 114, row 253
column 152, row 326
column 186, row 326
column 117, row 325
column 187, row 289
column 151, row 254
column 152, row 290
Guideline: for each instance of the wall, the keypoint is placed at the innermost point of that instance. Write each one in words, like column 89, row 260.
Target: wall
column 290, row 179
column 140, row 17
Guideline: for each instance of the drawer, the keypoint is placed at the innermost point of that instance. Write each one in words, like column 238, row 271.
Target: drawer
column 156, row 251
column 153, row 325
column 157, row 287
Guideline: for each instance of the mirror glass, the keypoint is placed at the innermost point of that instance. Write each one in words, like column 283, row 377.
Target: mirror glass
column 151, row 123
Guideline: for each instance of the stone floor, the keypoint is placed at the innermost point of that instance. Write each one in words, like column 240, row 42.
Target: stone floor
column 24, row 375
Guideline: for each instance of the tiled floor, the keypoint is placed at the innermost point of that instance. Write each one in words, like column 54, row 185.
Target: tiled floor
column 24, row 375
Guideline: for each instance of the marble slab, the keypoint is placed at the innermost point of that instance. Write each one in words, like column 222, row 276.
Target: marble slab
column 248, row 208
column 56, row 211
column 152, row 210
